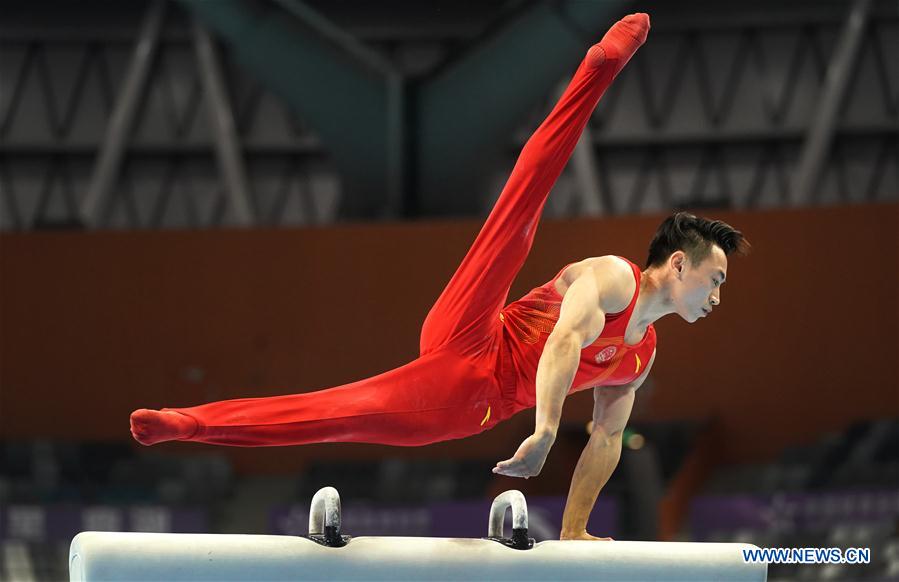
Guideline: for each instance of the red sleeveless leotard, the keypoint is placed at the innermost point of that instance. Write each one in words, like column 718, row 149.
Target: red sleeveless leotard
column 608, row 361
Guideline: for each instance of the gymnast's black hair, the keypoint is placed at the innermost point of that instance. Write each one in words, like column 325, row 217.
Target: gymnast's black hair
column 695, row 236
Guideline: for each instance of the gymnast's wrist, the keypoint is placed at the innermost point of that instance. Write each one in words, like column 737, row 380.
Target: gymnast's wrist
column 546, row 432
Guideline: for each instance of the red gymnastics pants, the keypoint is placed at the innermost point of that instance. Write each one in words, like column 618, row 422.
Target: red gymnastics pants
column 454, row 389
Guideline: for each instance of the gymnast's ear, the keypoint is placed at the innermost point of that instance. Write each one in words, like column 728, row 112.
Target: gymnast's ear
column 678, row 258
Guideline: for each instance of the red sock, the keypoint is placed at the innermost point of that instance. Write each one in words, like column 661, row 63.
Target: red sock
column 621, row 41
column 149, row 427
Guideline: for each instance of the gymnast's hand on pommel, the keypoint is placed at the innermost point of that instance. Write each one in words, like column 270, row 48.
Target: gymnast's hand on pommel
column 529, row 458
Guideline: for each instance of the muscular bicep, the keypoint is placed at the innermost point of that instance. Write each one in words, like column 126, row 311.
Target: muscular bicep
column 612, row 405
column 612, row 408
column 581, row 317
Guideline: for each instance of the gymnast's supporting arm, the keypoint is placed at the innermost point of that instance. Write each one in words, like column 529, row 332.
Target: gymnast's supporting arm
column 611, row 410
column 597, row 462
column 581, row 321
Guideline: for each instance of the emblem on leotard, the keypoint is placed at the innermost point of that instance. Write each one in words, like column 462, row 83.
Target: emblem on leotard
column 606, row 354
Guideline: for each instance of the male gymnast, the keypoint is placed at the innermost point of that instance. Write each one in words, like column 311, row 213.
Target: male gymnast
column 480, row 363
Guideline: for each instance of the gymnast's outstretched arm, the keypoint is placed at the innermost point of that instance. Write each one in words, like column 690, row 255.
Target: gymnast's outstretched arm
column 581, row 320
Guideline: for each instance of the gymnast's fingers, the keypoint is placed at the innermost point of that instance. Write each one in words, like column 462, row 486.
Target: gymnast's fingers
column 512, row 468
column 507, row 463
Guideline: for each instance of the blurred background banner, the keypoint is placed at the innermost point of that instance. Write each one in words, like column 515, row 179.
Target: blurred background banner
column 202, row 200
column 60, row 523
column 797, row 511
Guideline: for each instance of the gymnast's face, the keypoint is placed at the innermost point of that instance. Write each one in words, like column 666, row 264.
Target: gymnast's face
column 696, row 289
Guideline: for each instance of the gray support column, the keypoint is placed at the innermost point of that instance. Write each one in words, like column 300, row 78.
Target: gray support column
column 397, row 162
column 106, row 168
column 820, row 132
column 395, row 98
column 334, row 35
column 388, row 142
column 330, row 80
column 221, row 120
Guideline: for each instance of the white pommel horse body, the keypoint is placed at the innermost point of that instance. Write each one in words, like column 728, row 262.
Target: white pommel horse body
column 326, row 555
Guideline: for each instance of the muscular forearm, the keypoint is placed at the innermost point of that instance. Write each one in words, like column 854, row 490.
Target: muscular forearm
column 555, row 372
column 597, row 462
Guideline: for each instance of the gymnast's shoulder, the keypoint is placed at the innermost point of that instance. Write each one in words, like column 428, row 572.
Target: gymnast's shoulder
column 614, row 278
